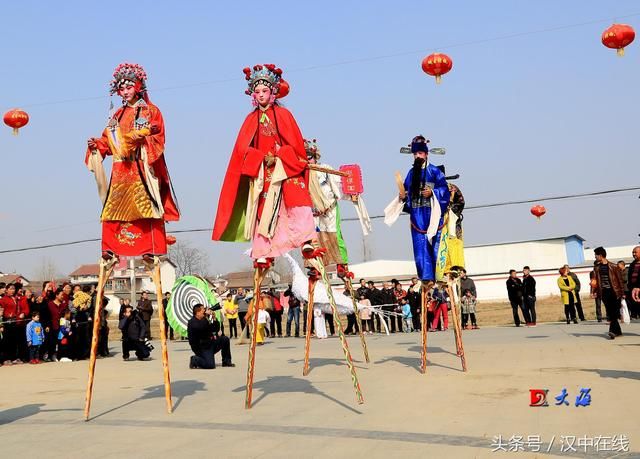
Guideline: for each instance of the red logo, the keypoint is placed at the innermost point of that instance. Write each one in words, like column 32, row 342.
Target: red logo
column 538, row 397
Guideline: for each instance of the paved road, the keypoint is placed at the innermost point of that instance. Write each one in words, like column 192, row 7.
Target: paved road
column 445, row 413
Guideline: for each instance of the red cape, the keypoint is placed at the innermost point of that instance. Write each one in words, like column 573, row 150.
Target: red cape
column 229, row 223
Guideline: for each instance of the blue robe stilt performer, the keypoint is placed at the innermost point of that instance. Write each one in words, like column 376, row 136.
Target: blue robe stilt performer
column 426, row 213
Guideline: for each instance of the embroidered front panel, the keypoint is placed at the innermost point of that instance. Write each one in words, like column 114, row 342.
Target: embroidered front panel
column 127, row 235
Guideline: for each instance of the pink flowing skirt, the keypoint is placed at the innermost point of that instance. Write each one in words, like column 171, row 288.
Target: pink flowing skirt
column 295, row 227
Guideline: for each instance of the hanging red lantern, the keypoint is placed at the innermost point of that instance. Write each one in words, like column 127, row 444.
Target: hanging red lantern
column 284, row 89
column 437, row 64
column 538, row 211
column 16, row 119
column 171, row 240
column 618, row 36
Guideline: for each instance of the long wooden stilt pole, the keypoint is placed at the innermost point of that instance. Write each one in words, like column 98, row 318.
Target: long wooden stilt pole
column 349, row 286
column 252, row 315
column 157, row 280
column 317, row 263
column 313, row 279
column 455, row 313
column 426, row 286
column 106, row 268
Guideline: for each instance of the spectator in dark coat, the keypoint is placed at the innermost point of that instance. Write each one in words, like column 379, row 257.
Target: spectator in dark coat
column 133, row 334
column 514, row 290
column 205, row 342
column 529, row 294
column 146, row 311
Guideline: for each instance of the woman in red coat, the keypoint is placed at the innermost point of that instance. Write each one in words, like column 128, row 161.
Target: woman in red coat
column 265, row 195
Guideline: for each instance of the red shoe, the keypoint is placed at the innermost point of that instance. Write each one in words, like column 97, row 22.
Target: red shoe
column 32, row 361
column 475, row 327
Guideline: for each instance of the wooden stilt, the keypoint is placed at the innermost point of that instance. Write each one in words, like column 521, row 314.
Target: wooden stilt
column 106, row 268
column 452, row 290
column 426, row 286
column 313, row 279
column 155, row 275
column 317, row 263
column 349, row 287
column 252, row 315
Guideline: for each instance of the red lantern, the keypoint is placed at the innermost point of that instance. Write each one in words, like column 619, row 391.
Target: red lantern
column 171, row 240
column 618, row 36
column 352, row 183
column 283, row 90
column 16, row 119
column 437, row 64
column 538, row 211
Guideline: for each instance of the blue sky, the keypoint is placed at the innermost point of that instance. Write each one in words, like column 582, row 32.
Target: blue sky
column 536, row 115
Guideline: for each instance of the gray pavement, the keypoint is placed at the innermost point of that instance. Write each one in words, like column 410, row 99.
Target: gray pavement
column 444, row 413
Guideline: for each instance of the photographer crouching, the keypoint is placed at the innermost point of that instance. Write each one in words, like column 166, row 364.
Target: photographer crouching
column 134, row 335
column 204, row 340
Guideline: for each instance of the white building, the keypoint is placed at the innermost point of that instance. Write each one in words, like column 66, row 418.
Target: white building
column 489, row 265
column 119, row 285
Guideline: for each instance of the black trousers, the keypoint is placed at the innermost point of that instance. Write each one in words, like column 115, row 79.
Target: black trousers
column 399, row 320
column 233, row 328
column 570, row 311
column 147, row 326
column 612, row 305
column 205, row 357
column 465, row 319
column 415, row 316
column 530, row 306
column 167, row 328
column 598, row 302
column 50, row 342
column 34, row 352
column 138, row 346
column 103, row 342
column 329, row 318
column 352, row 325
column 9, row 342
column 276, row 323
column 519, row 304
column 579, row 307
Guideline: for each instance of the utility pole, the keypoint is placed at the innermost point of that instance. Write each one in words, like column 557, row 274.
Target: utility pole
column 132, row 280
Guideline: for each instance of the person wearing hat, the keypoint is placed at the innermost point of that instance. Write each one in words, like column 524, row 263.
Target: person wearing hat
column 138, row 199
column 426, row 198
column 265, row 194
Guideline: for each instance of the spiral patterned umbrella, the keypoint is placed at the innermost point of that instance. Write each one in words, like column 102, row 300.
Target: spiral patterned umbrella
column 186, row 293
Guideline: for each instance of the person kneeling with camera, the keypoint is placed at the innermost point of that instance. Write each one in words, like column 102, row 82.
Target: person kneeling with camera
column 134, row 337
column 204, row 340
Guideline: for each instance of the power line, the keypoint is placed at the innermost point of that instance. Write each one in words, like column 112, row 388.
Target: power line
column 375, row 217
column 363, row 59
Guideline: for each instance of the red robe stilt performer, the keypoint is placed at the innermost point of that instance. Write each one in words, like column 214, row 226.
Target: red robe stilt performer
column 265, row 195
column 138, row 199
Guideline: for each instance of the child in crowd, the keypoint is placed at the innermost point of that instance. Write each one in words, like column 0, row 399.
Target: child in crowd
column 469, row 309
column 407, row 317
column 64, row 337
column 365, row 314
column 319, row 323
column 35, row 337
column 263, row 318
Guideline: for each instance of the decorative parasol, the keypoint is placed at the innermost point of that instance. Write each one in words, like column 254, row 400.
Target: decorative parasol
column 186, row 293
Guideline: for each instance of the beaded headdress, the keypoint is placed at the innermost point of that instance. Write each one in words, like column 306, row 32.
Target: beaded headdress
column 266, row 74
column 127, row 73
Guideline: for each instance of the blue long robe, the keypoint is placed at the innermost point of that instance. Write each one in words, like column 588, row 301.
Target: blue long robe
column 419, row 210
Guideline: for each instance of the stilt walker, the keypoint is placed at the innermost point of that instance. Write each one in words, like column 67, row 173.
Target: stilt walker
column 265, row 195
column 424, row 195
column 313, row 276
column 453, row 290
column 327, row 189
column 137, row 200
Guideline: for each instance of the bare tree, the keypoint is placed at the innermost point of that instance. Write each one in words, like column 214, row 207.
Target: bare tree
column 189, row 260
column 47, row 270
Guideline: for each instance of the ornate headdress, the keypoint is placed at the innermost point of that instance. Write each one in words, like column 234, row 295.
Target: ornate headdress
column 312, row 149
column 266, row 74
column 419, row 143
column 127, row 73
